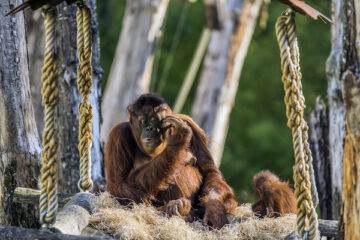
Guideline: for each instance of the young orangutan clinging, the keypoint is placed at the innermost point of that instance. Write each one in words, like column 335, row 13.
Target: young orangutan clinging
column 163, row 158
column 275, row 197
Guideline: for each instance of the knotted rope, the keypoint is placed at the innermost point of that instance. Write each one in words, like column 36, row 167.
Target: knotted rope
column 307, row 224
column 49, row 184
column 83, row 17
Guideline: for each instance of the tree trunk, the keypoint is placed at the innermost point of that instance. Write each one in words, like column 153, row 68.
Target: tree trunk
column 350, row 77
column 35, row 41
column 221, row 72
column 345, row 62
column 19, row 140
column 336, row 113
column 319, row 144
column 69, row 98
column 141, row 24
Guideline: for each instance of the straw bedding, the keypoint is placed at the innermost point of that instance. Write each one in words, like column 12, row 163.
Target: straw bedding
column 144, row 222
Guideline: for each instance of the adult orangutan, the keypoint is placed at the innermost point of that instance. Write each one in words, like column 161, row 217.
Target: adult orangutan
column 275, row 197
column 162, row 158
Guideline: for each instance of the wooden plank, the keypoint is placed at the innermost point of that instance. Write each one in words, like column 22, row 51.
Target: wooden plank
column 10, row 233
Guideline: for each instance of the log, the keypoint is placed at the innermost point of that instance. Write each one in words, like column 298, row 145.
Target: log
column 31, row 196
column 74, row 217
column 10, row 233
column 327, row 228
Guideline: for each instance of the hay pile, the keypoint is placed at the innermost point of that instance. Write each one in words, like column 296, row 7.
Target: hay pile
column 144, row 222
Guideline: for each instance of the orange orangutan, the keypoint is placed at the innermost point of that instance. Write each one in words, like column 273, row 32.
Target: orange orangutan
column 162, row 158
column 275, row 197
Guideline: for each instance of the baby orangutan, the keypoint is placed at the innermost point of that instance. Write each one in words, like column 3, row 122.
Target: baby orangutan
column 275, row 197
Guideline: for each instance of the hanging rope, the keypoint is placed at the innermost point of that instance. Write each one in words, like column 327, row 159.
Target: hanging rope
column 83, row 17
column 307, row 224
column 309, row 161
column 49, row 184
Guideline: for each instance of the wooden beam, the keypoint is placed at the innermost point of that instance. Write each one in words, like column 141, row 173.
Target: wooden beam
column 10, row 233
column 327, row 228
column 31, row 196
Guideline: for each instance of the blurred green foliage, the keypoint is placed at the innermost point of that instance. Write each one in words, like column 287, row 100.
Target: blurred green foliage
column 258, row 136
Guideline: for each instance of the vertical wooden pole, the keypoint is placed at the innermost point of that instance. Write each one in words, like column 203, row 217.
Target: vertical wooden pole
column 19, row 140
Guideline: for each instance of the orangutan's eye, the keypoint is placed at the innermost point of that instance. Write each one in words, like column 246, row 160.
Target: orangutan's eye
column 142, row 121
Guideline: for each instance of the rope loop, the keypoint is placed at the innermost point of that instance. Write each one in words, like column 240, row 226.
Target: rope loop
column 83, row 18
column 85, row 188
column 50, row 92
column 304, row 184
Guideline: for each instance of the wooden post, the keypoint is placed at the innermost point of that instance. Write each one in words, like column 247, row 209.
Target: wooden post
column 141, row 25
column 19, row 140
column 221, row 72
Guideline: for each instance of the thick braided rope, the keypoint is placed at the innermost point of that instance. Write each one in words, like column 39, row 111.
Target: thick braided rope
column 295, row 104
column 309, row 161
column 49, row 184
column 83, row 17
